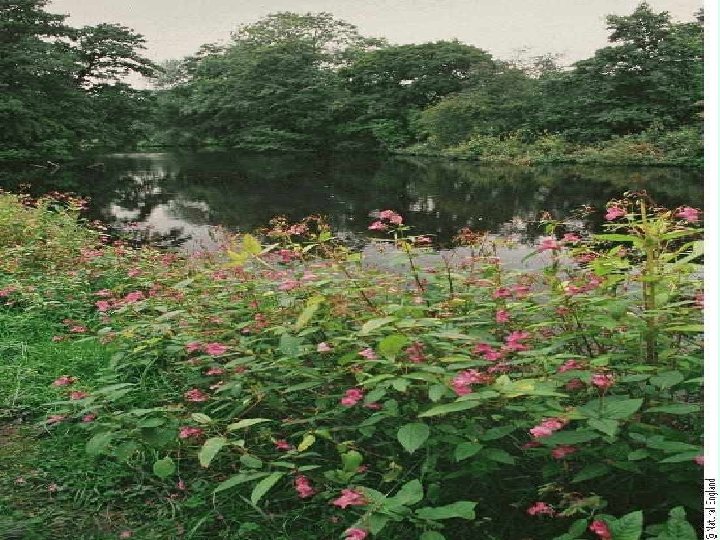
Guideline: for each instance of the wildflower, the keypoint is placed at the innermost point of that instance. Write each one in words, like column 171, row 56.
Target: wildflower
column 103, row 305
column 323, row 347
column 215, row 349
column 134, row 272
column 188, row 432
column 548, row 243
column 571, row 238
column 368, row 354
column 700, row 460
column 502, row 292
column 688, row 214
column 392, row 217
column 540, row 508
column 104, row 293
column 547, row 427
column 350, row 497
column 512, row 341
column 77, row 329
column 353, row 533
column 134, row 296
column 215, row 371
column 288, row 285
column 64, row 381
column 699, row 300
column 569, row 366
column 562, row 311
column 601, row 529
column 181, row 485
column 193, row 346
column 283, row 445
column 461, row 383
column 560, row 452
column 352, row 397
column 195, row 395
column 287, row 255
column 78, row 394
column 502, row 316
column 520, row 291
column 416, row 352
column 378, row 226
column 55, row 419
column 614, row 212
column 602, row 380
column 90, row 417
column 423, row 240
column 303, row 487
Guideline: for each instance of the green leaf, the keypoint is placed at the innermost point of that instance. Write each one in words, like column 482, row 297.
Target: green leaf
column 606, row 426
column 466, row 449
column 351, row 460
column 247, row 422
column 436, row 392
column 391, row 345
column 593, row 470
column 667, row 379
column 431, row 535
column 672, row 446
column 679, row 458
column 686, row 328
column 237, row 480
column 449, row 408
column 374, row 324
column 307, row 442
column 377, row 522
column 164, row 467
column 637, row 455
column 411, row 493
column 499, row 455
column 289, row 345
column 250, row 461
column 577, row 529
column 497, row 433
column 264, row 485
column 251, row 245
column 460, row 509
column 210, row 449
column 614, row 407
column 306, row 315
column 201, row 418
column 678, row 408
column 677, row 527
column 412, row 436
column 628, row 527
column 570, row 437
column 99, row 443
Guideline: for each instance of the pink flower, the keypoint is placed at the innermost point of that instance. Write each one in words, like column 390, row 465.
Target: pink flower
column 77, row 329
column 392, row 217
column 55, row 419
column 614, row 212
column 548, row 243
column 195, row 395
column 699, row 300
column 289, row 285
column 560, row 452
column 461, row 383
column 188, row 432
column 134, row 296
column 416, row 352
column 521, row 291
column 352, row 397
column 181, row 485
column 303, row 487
column 214, row 371
column 350, row 497
column 571, row 238
column 547, row 427
column 540, row 431
column 700, row 460
column 103, row 305
column 134, row 272
column 89, row 417
column 324, row 347
column 601, row 529
column 502, row 316
column 353, row 533
column 368, row 354
column 602, row 380
column 502, row 292
column 540, row 508
column 512, row 341
column 283, row 445
column 688, row 214
column 193, row 346
column 215, row 349
column 64, row 381
column 78, row 394
column 378, row 226
column 574, row 384
column 569, row 366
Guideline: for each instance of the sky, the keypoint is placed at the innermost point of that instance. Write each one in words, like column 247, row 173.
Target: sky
column 571, row 28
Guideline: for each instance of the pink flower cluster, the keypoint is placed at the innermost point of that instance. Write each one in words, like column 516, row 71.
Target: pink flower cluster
column 615, row 212
column 587, row 284
column 513, row 341
column 213, row 349
column 559, row 452
column 303, row 487
column 603, row 380
column 601, row 528
column 323, row 347
column 350, row 497
column 547, row 427
column 196, row 395
column 368, row 354
column 283, row 445
column 189, row 432
column 548, row 243
column 353, row 533
column 416, row 352
column 463, row 381
column 688, row 214
column 387, row 218
column 352, row 397
column 541, row 509
column 502, row 316
column 570, row 365
column 487, row 352
column 64, row 380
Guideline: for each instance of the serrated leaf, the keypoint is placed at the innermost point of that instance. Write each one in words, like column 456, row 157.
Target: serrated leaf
column 164, row 467
column 264, row 485
column 210, row 449
column 449, row 408
column 460, row 509
column 412, row 436
column 247, row 422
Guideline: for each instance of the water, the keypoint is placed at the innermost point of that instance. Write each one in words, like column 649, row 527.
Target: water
column 181, row 196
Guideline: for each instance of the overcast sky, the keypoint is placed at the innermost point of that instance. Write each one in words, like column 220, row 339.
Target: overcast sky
column 573, row 28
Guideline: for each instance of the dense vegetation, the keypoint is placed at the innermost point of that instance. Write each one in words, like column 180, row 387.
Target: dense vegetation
column 291, row 390
column 313, row 83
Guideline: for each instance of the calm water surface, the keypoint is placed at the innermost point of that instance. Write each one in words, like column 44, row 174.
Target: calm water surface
column 181, row 196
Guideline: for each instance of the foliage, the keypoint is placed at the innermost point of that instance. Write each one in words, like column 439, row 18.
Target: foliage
column 289, row 387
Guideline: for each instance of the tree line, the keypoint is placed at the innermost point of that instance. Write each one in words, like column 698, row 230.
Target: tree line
column 311, row 82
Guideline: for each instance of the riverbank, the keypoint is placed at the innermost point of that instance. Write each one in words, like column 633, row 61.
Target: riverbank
column 284, row 390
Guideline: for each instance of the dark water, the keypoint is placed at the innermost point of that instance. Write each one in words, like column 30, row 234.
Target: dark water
column 181, row 195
